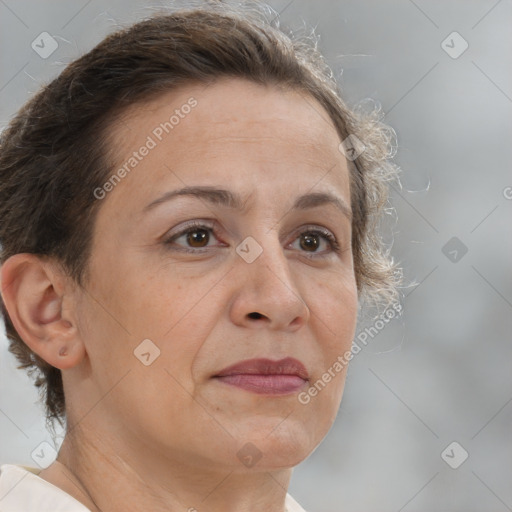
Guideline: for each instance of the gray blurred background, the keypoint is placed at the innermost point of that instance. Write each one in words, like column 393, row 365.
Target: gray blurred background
column 442, row 372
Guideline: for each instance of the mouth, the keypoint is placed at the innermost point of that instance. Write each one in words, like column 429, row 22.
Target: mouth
column 266, row 377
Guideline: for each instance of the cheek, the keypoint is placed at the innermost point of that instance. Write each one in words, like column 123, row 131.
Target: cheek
column 335, row 319
column 336, row 306
column 324, row 395
column 143, row 303
column 178, row 314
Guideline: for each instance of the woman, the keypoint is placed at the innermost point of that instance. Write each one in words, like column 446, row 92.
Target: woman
column 188, row 229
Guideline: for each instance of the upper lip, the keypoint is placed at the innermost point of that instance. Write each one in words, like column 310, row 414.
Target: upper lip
column 261, row 366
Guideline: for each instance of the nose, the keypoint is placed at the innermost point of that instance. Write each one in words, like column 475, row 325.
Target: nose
column 266, row 294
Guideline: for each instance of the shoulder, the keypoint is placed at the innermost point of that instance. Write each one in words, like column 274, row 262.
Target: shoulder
column 22, row 489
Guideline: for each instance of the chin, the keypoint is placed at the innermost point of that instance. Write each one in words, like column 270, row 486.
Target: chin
column 277, row 447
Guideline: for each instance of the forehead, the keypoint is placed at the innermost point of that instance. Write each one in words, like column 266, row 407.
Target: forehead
column 224, row 131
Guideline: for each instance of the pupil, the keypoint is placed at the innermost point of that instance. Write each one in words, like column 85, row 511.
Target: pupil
column 197, row 236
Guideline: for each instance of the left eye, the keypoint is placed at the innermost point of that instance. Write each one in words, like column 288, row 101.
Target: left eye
column 312, row 239
column 197, row 237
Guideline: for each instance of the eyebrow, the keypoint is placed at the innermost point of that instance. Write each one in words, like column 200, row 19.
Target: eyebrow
column 234, row 201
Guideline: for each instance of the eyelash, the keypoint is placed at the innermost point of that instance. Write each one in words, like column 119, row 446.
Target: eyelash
column 327, row 235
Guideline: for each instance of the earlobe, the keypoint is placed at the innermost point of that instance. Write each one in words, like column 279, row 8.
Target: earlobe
column 34, row 294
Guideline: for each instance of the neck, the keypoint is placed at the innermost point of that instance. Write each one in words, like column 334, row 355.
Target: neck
column 100, row 473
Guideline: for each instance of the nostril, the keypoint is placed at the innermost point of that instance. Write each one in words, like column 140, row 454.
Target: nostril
column 255, row 315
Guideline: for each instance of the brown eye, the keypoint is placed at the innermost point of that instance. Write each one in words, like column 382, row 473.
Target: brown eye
column 309, row 241
column 195, row 238
column 315, row 240
column 198, row 237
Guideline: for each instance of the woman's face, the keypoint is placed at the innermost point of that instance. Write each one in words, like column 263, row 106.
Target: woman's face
column 251, row 280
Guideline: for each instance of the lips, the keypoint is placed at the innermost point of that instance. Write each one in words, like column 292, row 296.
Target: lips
column 264, row 376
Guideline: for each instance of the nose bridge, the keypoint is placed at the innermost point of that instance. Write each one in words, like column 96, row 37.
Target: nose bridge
column 275, row 261
column 265, row 255
column 268, row 285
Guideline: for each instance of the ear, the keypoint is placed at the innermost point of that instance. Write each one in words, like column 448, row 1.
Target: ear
column 40, row 307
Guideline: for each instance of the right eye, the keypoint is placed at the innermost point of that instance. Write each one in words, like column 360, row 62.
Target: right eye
column 195, row 237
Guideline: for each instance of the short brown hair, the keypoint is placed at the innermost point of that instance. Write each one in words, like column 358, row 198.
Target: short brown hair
column 53, row 155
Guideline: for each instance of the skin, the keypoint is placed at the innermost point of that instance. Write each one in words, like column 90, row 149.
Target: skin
column 166, row 436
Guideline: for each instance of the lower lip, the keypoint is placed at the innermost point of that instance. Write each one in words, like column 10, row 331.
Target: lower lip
column 265, row 384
